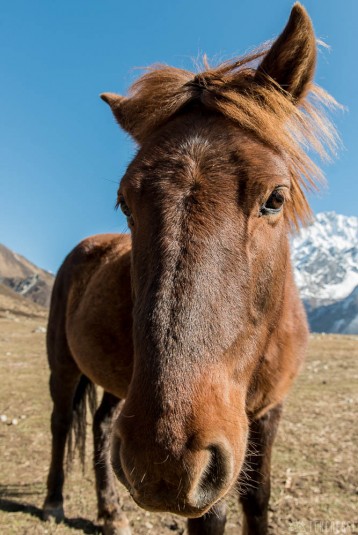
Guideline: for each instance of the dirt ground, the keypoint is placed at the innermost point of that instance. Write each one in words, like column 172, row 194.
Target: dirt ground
column 315, row 476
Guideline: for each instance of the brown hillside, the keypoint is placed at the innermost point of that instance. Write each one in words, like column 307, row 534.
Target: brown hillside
column 24, row 278
column 15, row 305
column 15, row 265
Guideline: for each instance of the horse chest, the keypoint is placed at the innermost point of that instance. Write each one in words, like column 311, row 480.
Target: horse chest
column 102, row 349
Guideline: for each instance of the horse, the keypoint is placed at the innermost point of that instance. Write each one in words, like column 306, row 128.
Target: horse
column 192, row 323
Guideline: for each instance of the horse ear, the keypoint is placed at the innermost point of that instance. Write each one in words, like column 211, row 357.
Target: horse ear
column 291, row 60
column 117, row 103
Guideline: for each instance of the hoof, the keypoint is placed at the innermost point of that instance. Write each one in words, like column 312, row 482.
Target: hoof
column 117, row 527
column 54, row 511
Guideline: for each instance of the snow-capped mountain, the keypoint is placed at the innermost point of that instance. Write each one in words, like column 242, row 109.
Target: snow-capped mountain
column 325, row 257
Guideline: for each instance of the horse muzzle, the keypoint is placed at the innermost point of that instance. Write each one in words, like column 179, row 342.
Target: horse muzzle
column 188, row 486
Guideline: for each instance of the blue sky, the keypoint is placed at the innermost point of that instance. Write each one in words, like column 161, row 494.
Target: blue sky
column 61, row 154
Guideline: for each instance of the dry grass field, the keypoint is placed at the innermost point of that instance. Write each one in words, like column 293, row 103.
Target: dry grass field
column 315, row 476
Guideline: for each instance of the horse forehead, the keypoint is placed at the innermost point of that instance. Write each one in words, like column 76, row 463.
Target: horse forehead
column 209, row 155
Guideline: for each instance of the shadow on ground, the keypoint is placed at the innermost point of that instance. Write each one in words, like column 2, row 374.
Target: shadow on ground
column 11, row 501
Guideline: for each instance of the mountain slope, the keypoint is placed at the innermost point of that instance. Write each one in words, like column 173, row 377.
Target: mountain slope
column 15, row 305
column 24, row 278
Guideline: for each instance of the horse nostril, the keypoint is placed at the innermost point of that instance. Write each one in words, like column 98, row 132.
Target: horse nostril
column 216, row 472
column 215, row 476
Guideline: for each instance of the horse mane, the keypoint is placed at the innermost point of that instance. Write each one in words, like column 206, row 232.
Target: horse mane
column 241, row 92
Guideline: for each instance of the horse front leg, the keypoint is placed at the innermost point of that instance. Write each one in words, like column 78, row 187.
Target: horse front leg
column 212, row 523
column 109, row 509
column 256, row 485
column 62, row 389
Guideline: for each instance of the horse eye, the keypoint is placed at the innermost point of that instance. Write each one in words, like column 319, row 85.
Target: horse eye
column 274, row 203
column 124, row 207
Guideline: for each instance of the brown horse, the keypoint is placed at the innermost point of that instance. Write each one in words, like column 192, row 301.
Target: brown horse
column 194, row 319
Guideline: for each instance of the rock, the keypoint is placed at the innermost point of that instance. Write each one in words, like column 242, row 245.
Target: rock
column 40, row 329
